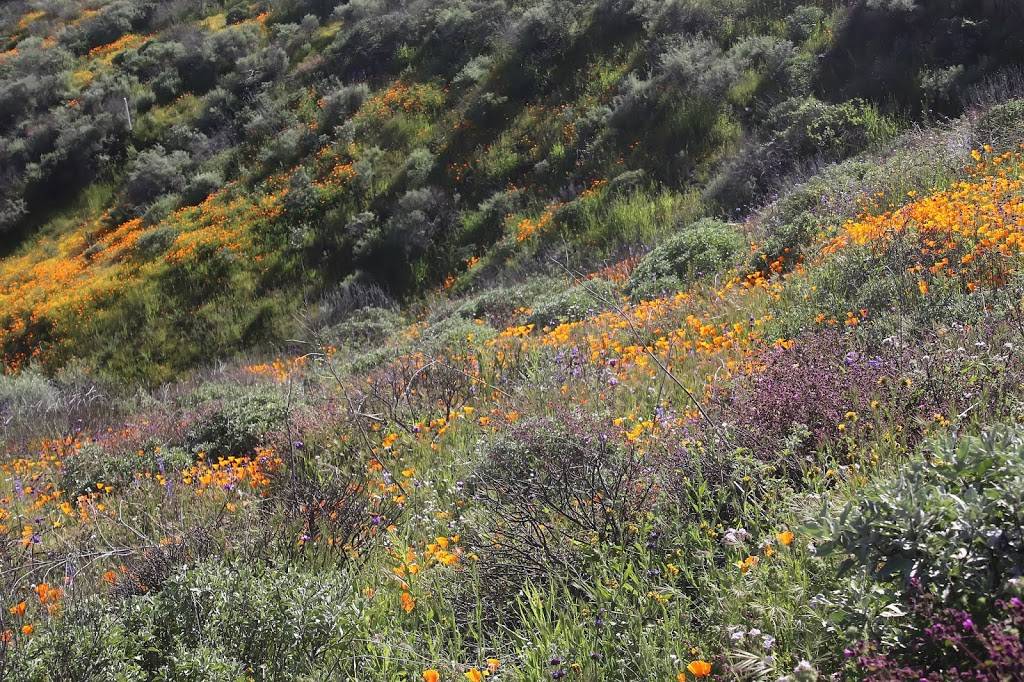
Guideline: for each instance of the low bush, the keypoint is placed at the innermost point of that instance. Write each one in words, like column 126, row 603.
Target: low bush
column 337, row 105
column 554, row 489
column 237, row 425
column 154, row 173
column 92, row 464
column 705, row 249
column 797, row 131
column 366, row 327
column 951, row 525
column 574, row 303
column 1002, row 126
column 212, row 621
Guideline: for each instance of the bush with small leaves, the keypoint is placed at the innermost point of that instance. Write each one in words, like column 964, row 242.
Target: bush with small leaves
column 154, row 173
column 236, row 425
column 574, row 303
column 92, row 464
column 951, row 525
column 705, row 249
column 1001, row 126
column 803, row 22
column 207, row 622
column 552, row 490
column 340, row 103
column 798, row 131
column 366, row 327
column 200, row 187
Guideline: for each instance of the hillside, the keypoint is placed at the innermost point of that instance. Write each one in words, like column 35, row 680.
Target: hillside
column 462, row 339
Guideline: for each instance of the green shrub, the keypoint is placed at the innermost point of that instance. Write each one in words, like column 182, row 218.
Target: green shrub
column 796, row 131
column 367, row 327
column 574, row 303
column 803, row 22
column 92, row 464
column 954, row 522
column 154, row 173
column 209, row 622
column 237, row 425
column 87, row 644
column 705, row 249
column 200, row 187
column 1002, row 126
column 451, row 334
column 24, row 394
column 341, row 103
column 498, row 306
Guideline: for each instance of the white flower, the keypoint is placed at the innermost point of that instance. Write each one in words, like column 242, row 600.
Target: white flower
column 735, row 536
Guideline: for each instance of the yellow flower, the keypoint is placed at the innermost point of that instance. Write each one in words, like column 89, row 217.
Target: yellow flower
column 785, row 537
column 699, row 668
column 474, row 675
column 493, row 664
column 431, row 675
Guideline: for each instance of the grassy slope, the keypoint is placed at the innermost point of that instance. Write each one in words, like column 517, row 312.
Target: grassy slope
column 613, row 468
column 371, row 496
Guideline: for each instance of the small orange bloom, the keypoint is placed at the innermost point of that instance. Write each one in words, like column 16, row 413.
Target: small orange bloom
column 431, row 675
column 408, row 603
column 699, row 668
column 474, row 675
column 18, row 609
column 785, row 537
column 27, row 629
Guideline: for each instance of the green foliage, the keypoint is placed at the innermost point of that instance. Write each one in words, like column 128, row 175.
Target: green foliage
column 952, row 522
column 154, row 173
column 705, row 249
column 366, row 327
column 453, row 334
column 210, row 622
column 92, row 464
column 796, row 131
column 237, row 425
column 341, row 103
column 573, row 303
column 499, row 305
column 1002, row 126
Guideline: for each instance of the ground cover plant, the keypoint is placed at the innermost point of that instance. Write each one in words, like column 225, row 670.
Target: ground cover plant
column 582, row 340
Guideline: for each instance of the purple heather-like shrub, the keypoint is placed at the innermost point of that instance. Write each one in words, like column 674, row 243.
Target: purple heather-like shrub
column 951, row 646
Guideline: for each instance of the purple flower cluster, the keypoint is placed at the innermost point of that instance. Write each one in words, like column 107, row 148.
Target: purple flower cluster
column 815, row 383
column 951, row 647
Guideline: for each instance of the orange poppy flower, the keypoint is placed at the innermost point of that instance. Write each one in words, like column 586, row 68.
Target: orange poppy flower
column 699, row 668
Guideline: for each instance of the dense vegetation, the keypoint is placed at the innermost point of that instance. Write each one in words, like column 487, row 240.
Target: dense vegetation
column 563, row 339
